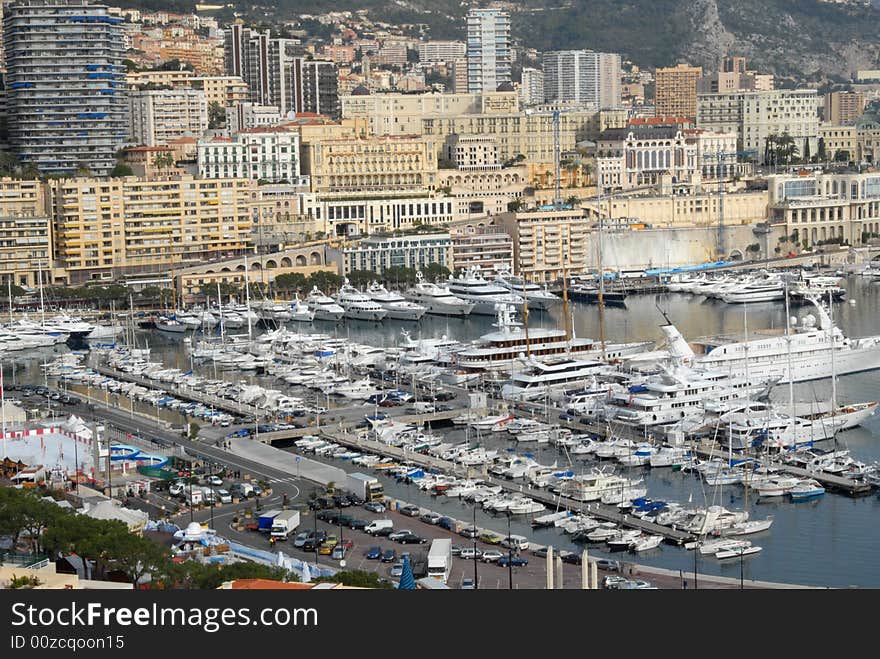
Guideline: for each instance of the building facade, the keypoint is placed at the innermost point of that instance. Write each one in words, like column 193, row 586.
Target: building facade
column 547, row 243
column 261, row 154
column 314, row 87
column 823, row 208
column 441, row 51
column 531, row 88
column 103, row 228
column 844, row 107
column 675, row 90
column 488, row 49
column 66, row 106
column 25, row 234
column 582, row 76
column 415, row 251
column 490, row 250
column 245, row 116
column 158, row 116
column 227, row 91
column 364, row 213
column 473, row 152
column 839, row 141
column 756, row 116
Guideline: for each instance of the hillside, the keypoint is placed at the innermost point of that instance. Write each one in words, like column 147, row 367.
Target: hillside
column 795, row 38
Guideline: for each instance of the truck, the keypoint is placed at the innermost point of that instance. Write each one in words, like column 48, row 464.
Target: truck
column 440, row 559
column 284, row 524
column 264, row 521
column 366, row 487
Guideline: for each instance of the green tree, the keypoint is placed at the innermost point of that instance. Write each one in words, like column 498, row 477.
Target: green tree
column 325, row 281
column 435, row 272
column 291, row 281
column 193, row 429
column 572, row 201
column 361, row 278
column 226, row 290
column 163, row 160
column 821, row 155
column 216, row 116
column 516, row 205
column 806, row 149
column 357, row 579
column 120, row 170
column 841, row 155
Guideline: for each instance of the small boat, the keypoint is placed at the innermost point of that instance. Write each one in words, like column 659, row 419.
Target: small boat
column 806, row 489
column 749, row 527
column 737, row 552
column 646, row 542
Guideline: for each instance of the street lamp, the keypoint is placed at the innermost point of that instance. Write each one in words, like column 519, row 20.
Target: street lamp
column 509, row 554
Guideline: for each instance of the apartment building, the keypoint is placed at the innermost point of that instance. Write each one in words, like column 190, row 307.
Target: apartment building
column 547, row 243
column 490, row 250
column 158, row 116
column 531, row 87
column 264, row 154
column 228, row 91
column 470, row 152
column 675, row 90
column 353, row 214
column 416, row 251
column 844, row 107
column 245, row 116
column 756, row 115
column 839, row 139
column 584, row 77
column 66, row 106
column 105, row 228
column 819, row 208
column 25, row 234
column 488, row 49
column 441, row 51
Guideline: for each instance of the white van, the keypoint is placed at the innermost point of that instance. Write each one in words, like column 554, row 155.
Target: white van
column 516, row 542
column 423, row 408
column 377, row 524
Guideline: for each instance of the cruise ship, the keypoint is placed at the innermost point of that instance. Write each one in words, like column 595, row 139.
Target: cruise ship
column 471, row 287
column 500, row 349
column 357, row 305
column 437, row 299
column 397, row 307
column 536, row 296
column 325, row 307
column 765, row 353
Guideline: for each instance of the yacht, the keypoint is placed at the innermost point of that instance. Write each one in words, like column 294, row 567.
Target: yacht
column 537, row 297
column 273, row 312
column 471, row 287
column 539, row 378
column 325, row 307
column 806, row 489
column 397, row 307
column 504, row 347
column 764, row 354
column 357, row 305
column 437, row 299
column 300, row 311
column 759, row 291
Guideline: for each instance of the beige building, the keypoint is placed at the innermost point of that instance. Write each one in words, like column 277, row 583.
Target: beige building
column 387, row 162
column 468, row 152
column 157, row 116
column 675, row 91
column 483, row 192
column 490, row 250
column 136, row 79
column 844, row 107
column 819, row 208
column 25, row 234
column 755, row 115
column 839, row 138
column 225, row 90
column 528, row 134
column 105, row 228
column 699, row 208
column 547, row 244
column 416, row 251
column 399, row 114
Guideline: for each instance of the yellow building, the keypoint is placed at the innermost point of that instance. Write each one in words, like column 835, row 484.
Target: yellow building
column 548, row 243
column 104, row 228
column 675, row 91
column 225, row 90
column 25, row 233
column 182, row 78
column 839, row 138
column 387, row 162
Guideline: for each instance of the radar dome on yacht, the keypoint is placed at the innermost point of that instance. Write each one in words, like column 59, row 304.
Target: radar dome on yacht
column 794, row 320
column 809, row 320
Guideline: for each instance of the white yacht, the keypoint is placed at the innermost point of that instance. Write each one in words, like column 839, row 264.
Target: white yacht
column 437, row 299
column 170, row 325
column 537, row 297
column 765, row 353
column 357, row 305
column 273, row 312
column 44, row 335
column 471, row 287
column 504, row 347
column 758, row 291
column 397, row 307
column 300, row 311
column 539, row 379
column 325, row 307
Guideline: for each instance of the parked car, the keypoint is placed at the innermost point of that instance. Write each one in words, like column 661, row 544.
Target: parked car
column 410, row 511
column 384, row 532
column 540, row 552
column 446, row 523
column 608, row 565
column 469, row 532
column 256, row 490
column 571, row 557
column 341, row 500
column 431, row 518
column 355, row 500
column 515, row 561
column 399, row 534
column 357, row 524
column 444, row 396
column 176, row 489
column 301, row 538
column 492, row 555
column 639, row 584
column 389, row 556
column 214, row 480
column 374, row 553
column 223, row 496
column 396, row 570
column 374, row 507
column 456, row 550
column 468, row 584
column 327, row 546
column 614, row 581
column 411, row 539
column 338, row 552
column 490, row 538
column 468, row 553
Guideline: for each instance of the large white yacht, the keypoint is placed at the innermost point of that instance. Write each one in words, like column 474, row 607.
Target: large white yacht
column 325, row 307
column 501, row 348
column 537, row 297
column 765, row 353
column 757, row 291
column 357, row 305
column 471, row 287
column 394, row 303
column 437, row 299
column 540, row 378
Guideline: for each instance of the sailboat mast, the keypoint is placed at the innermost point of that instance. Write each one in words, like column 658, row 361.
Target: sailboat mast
column 565, row 300
column 220, row 311
column 9, row 293
column 788, row 351
column 42, row 304
column 601, row 279
column 525, row 309
column 247, row 298
column 833, row 372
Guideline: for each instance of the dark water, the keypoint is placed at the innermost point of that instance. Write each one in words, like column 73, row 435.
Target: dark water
column 831, row 541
